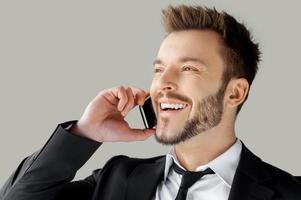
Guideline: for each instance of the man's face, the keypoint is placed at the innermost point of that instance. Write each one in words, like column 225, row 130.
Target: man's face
column 187, row 72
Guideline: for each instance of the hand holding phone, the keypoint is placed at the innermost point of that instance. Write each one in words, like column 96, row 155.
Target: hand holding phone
column 104, row 118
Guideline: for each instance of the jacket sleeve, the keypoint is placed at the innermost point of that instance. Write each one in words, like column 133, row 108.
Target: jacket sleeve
column 47, row 173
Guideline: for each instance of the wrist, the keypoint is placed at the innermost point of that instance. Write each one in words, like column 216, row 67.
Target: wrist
column 79, row 130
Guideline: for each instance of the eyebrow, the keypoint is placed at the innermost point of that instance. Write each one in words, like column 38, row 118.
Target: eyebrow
column 182, row 60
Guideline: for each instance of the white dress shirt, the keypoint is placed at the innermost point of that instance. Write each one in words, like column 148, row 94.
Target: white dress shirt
column 213, row 186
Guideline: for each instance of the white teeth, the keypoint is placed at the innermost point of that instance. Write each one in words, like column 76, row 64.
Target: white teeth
column 172, row 106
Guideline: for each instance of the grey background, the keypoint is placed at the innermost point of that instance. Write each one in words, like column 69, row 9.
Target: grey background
column 55, row 56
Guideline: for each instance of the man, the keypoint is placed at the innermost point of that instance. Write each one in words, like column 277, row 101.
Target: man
column 202, row 75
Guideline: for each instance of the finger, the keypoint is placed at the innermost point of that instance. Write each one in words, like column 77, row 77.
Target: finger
column 140, row 95
column 120, row 93
column 130, row 103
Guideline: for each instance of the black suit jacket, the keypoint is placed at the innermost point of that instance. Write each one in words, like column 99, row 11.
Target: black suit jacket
column 47, row 175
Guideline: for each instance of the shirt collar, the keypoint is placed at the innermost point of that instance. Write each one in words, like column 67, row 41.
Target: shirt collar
column 224, row 165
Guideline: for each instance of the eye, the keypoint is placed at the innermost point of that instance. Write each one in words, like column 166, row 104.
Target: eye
column 157, row 70
column 188, row 68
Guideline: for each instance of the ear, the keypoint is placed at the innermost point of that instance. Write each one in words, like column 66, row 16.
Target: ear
column 237, row 91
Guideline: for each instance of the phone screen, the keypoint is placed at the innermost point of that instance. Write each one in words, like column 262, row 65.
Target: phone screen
column 147, row 113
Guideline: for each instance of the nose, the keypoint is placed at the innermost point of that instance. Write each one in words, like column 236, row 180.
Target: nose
column 167, row 81
column 168, row 86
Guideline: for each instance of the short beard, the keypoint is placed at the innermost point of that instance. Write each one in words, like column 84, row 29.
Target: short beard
column 209, row 114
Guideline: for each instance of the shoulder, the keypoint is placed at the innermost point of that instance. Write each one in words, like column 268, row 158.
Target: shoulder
column 282, row 177
column 125, row 160
column 283, row 183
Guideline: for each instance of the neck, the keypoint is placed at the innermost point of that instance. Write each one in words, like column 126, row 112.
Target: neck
column 205, row 147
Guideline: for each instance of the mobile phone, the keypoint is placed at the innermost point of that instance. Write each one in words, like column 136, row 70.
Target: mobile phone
column 147, row 113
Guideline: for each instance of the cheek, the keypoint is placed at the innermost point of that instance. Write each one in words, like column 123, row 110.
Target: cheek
column 192, row 87
column 198, row 87
column 152, row 93
column 152, row 90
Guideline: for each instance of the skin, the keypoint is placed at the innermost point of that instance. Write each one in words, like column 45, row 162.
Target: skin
column 201, row 131
column 194, row 80
column 199, row 85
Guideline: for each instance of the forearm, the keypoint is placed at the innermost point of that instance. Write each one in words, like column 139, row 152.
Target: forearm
column 43, row 174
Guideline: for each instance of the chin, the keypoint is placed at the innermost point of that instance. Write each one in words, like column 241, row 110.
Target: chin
column 167, row 137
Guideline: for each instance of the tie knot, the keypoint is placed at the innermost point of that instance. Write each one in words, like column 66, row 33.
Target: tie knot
column 190, row 177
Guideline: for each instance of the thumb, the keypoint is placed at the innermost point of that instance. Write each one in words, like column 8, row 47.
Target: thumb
column 142, row 134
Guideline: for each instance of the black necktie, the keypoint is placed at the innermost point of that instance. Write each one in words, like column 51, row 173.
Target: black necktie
column 188, row 179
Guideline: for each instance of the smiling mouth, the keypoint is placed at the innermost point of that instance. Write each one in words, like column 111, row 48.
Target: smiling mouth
column 170, row 111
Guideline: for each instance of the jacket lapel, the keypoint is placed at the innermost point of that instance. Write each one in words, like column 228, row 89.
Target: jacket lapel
column 144, row 179
column 249, row 179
